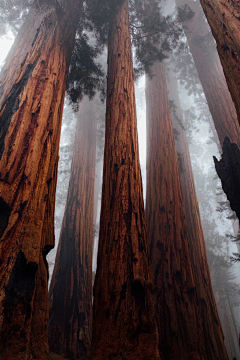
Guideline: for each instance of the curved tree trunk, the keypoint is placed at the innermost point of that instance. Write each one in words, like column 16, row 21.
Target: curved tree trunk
column 71, row 286
column 124, row 323
column 178, row 312
column 213, row 335
column 206, row 59
column 223, row 18
column 32, row 87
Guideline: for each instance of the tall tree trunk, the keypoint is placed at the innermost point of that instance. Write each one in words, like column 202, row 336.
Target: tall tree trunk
column 181, row 335
column 206, row 59
column 210, row 71
column 223, row 18
column 124, row 323
column 213, row 335
column 32, row 87
column 39, row 324
column 71, row 286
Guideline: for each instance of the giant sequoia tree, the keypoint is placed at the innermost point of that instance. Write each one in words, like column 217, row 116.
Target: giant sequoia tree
column 123, row 313
column 206, row 59
column 32, row 87
column 212, row 331
column 223, row 18
column 70, row 292
column 167, row 233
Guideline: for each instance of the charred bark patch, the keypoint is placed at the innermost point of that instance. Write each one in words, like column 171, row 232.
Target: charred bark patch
column 127, row 218
column 22, row 207
column 192, row 292
column 228, row 170
column 19, row 296
column 140, row 243
column 11, row 105
column 178, row 277
column 81, row 319
column 22, row 281
column 122, row 297
column 156, row 273
column 116, row 168
column 123, row 291
column 160, row 246
column 5, row 212
column 138, row 292
column 133, row 152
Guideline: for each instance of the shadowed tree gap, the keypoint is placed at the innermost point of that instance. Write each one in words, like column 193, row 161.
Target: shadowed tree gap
column 70, row 291
column 213, row 335
column 32, row 87
column 178, row 313
column 124, row 325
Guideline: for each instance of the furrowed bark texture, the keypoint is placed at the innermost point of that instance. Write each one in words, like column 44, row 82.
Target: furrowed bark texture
column 223, row 18
column 32, row 87
column 71, row 286
column 178, row 313
column 124, row 325
column 213, row 335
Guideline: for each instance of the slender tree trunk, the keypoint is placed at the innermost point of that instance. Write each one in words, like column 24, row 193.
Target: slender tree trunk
column 178, row 313
column 124, row 325
column 32, row 87
column 223, row 18
column 213, row 335
column 71, row 286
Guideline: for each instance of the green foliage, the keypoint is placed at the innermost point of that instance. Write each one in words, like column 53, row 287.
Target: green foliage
column 153, row 35
column 99, row 15
column 85, row 76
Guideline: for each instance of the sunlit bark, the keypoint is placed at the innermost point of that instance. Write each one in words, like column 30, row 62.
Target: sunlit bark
column 32, row 87
column 213, row 335
column 223, row 18
column 124, row 323
column 178, row 313
column 71, row 286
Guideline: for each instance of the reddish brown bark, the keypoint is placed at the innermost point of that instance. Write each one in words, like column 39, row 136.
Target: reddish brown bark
column 124, row 323
column 178, row 313
column 213, row 335
column 71, row 286
column 32, row 87
column 223, row 18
